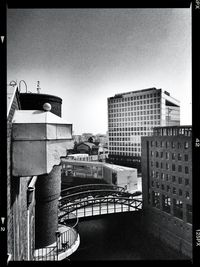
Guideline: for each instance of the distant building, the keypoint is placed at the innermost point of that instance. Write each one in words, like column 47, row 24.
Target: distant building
column 112, row 174
column 134, row 114
column 167, row 185
column 86, row 148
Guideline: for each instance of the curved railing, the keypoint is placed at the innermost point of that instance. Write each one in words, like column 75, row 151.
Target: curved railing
column 65, row 239
column 93, row 193
column 102, row 204
column 85, row 187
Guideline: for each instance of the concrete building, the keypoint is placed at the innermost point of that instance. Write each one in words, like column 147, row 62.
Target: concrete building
column 36, row 139
column 134, row 114
column 167, row 185
column 112, row 174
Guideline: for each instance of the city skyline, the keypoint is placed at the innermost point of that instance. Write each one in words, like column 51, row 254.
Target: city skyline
column 86, row 56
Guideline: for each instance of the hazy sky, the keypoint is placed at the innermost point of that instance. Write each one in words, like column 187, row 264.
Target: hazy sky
column 85, row 56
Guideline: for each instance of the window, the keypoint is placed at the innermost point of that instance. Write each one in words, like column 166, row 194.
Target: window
column 173, row 145
column 167, row 155
column 173, row 156
column 186, row 181
column 186, row 169
column 167, row 166
column 180, row 192
column 189, row 213
column 166, row 203
column 162, row 176
column 157, row 164
column 168, row 188
column 186, row 145
column 156, row 199
column 174, row 190
column 187, row 195
column 179, row 156
column 178, row 208
column 173, row 178
column 179, row 168
column 180, row 180
column 186, row 157
column 173, row 167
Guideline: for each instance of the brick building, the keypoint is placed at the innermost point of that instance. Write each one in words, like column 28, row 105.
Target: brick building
column 167, row 185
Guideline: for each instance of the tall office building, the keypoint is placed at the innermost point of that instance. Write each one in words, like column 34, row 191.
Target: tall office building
column 134, row 114
column 167, row 185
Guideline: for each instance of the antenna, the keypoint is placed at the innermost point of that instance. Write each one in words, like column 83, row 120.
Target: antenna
column 38, row 87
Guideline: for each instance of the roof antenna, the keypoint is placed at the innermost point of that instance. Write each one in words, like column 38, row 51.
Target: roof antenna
column 38, row 87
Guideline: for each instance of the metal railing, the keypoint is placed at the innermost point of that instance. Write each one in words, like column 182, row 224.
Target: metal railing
column 100, row 205
column 84, row 187
column 64, row 240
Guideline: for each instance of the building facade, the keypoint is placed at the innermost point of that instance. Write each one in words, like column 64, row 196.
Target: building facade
column 134, row 114
column 36, row 139
column 109, row 173
column 167, row 185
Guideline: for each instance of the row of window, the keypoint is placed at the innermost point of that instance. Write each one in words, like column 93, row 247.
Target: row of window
column 169, row 178
column 127, row 149
column 131, row 98
column 124, row 144
column 176, row 209
column 130, row 124
column 168, row 155
column 112, row 109
column 162, row 165
column 126, row 114
column 173, row 190
column 179, row 157
column 141, row 118
column 130, row 154
column 168, row 144
column 179, row 168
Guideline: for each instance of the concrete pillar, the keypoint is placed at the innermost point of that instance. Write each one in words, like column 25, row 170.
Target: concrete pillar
column 47, row 192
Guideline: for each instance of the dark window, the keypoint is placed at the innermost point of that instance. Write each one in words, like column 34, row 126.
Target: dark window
column 180, row 180
column 114, row 178
column 173, row 178
column 186, row 157
column 186, row 181
column 174, row 190
column 173, row 167
column 189, row 213
column 157, row 164
column 178, row 208
column 180, row 192
column 179, row 168
column 186, row 169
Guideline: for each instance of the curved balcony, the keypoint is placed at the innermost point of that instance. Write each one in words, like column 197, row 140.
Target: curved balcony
column 67, row 241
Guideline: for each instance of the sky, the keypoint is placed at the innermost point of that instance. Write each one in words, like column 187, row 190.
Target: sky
column 85, row 56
